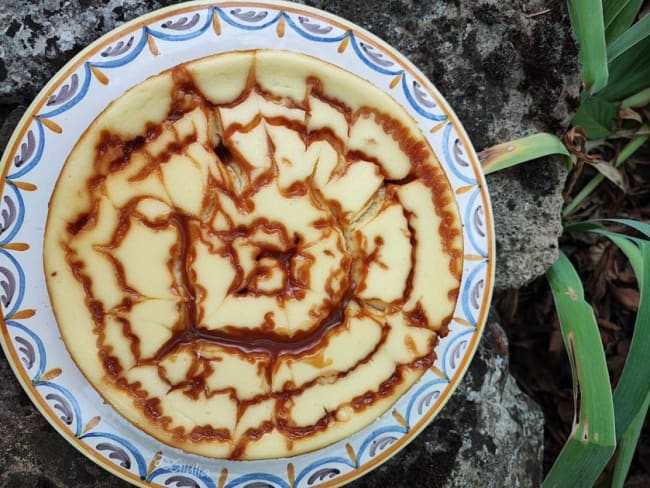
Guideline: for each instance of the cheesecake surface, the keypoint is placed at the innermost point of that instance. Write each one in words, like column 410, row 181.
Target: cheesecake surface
column 253, row 255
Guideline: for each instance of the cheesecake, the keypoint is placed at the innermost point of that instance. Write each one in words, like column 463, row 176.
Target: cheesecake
column 253, row 255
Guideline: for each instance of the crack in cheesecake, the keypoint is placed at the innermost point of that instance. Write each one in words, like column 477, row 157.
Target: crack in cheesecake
column 253, row 255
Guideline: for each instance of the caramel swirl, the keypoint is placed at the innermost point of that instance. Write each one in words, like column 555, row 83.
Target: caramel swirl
column 253, row 255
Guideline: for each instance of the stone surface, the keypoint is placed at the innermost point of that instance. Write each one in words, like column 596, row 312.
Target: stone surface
column 526, row 201
column 489, row 434
column 507, row 69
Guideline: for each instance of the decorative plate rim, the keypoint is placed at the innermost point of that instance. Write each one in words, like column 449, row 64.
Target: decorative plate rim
column 351, row 31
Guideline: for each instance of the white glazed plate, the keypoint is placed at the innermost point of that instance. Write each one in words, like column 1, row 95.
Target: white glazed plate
column 51, row 127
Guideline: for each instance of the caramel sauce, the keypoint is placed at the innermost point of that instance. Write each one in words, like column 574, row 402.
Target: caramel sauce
column 417, row 317
column 114, row 153
column 77, row 225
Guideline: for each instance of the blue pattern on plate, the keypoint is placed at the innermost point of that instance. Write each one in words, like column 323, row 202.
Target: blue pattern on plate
column 137, row 456
column 30, row 355
column 81, row 93
column 313, row 37
column 132, row 54
column 473, row 280
column 474, row 228
column 63, row 400
column 250, row 479
column 315, row 468
column 12, row 214
column 12, row 283
column 421, row 394
column 33, row 152
column 417, row 106
column 453, row 353
column 249, row 27
column 181, row 37
column 453, row 162
column 178, row 472
column 396, row 431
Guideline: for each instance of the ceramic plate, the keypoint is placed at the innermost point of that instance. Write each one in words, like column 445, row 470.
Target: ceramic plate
column 51, row 127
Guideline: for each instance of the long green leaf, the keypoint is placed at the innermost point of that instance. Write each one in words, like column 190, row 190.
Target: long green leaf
column 589, row 29
column 627, row 446
column 629, row 73
column 619, row 15
column 635, row 224
column 637, row 100
column 593, row 438
column 611, row 9
column 629, row 39
column 632, row 396
column 631, row 251
column 634, row 384
column 511, row 153
column 628, row 244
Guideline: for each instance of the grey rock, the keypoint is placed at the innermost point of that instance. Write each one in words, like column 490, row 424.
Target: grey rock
column 505, row 72
column 526, row 201
column 39, row 37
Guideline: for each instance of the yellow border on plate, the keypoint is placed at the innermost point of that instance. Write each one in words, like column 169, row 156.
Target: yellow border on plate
column 332, row 19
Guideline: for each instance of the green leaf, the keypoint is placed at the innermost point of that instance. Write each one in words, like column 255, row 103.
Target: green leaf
column 628, row 446
column 609, row 171
column 596, row 116
column 589, row 30
column 619, row 15
column 637, row 100
column 611, row 9
column 629, row 73
column 635, row 224
column 593, row 438
column 511, row 153
column 631, row 251
column 629, row 245
column 632, row 395
column 629, row 39
column 634, row 384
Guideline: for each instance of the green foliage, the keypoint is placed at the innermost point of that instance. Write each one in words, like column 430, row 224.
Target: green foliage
column 596, row 117
column 509, row 154
column 629, row 73
column 632, row 395
column 615, row 66
column 589, row 29
column 627, row 446
column 618, row 16
column 630, row 38
column 610, row 27
column 637, row 100
column 593, row 438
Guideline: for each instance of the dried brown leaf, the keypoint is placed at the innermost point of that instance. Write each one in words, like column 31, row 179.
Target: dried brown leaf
column 627, row 297
column 629, row 114
column 608, row 324
column 609, row 171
